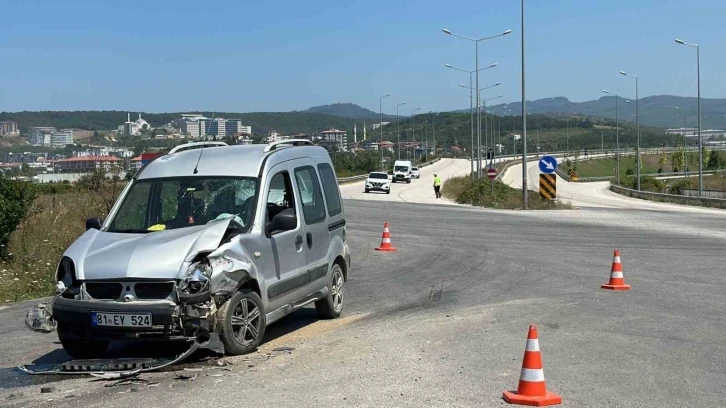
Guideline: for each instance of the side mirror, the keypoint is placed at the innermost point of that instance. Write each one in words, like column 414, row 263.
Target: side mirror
column 284, row 221
column 93, row 223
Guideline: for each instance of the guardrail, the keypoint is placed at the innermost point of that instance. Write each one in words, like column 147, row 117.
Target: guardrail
column 670, row 198
column 365, row 176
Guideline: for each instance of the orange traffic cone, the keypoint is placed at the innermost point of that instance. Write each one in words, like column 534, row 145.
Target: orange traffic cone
column 617, row 282
column 532, row 389
column 386, row 241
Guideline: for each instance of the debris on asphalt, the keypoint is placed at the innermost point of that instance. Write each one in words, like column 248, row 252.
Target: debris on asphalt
column 288, row 349
column 193, row 369
column 185, row 377
column 39, row 319
column 128, row 381
column 47, row 390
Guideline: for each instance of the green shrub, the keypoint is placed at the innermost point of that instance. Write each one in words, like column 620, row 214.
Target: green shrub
column 15, row 199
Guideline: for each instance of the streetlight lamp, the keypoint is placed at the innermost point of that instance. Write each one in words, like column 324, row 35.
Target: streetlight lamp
column 478, row 137
column 685, row 145
column 398, row 125
column 380, row 126
column 413, row 137
column 700, row 139
column 637, row 125
column 617, row 133
column 476, row 57
column 471, row 106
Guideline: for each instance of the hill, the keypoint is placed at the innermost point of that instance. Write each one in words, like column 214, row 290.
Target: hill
column 658, row 111
column 345, row 110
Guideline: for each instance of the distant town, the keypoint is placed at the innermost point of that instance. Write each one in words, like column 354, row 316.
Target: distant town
column 46, row 165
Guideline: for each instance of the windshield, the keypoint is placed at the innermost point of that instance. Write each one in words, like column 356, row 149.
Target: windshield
column 414, row 169
column 401, row 168
column 378, row 176
column 170, row 203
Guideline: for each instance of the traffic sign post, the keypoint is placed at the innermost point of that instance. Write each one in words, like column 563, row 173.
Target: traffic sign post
column 492, row 174
column 547, row 164
column 548, row 186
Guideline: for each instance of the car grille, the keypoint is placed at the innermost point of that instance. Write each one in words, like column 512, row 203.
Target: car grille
column 377, row 184
column 104, row 290
column 153, row 290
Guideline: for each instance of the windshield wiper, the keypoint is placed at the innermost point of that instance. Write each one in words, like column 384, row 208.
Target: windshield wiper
column 133, row 231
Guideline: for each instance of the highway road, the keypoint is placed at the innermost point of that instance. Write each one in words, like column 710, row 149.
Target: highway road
column 443, row 321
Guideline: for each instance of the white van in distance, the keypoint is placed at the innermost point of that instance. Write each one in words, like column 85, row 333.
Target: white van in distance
column 402, row 171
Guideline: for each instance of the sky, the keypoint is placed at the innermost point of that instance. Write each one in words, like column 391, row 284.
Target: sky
column 250, row 56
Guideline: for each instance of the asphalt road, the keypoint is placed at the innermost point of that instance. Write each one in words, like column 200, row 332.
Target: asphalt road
column 443, row 321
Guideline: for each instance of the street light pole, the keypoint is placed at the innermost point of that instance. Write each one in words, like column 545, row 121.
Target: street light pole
column 617, row 134
column 637, row 124
column 471, row 105
column 380, row 125
column 413, row 136
column 478, row 114
column 398, row 124
column 524, row 124
column 700, row 138
column 685, row 145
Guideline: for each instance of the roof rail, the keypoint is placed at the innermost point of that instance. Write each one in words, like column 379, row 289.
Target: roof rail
column 195, row 145
column 295, row 142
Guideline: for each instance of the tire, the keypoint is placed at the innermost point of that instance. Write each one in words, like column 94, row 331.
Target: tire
column 367, row 191
column 83, row 349
column 388, row 192
column 331, row 305
column 408, row 181
column 239, row 338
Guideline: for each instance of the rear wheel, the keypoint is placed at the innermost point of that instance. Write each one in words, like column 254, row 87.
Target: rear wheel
column 367, row 191
column 83, row 349
column 243, row 322
column 331, row 305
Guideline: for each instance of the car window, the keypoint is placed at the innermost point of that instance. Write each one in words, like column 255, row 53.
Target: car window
column 310, row 194
column 378, row 176
column 330, row 188
column 133, row 211
column 280, row 195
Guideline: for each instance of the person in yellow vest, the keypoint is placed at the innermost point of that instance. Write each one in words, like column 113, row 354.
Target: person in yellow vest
column 437, row 185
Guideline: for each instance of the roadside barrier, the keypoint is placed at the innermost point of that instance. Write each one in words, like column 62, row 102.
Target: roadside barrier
column 365, row 176
column 617, row 281
column 532, row 389
column 670, row 198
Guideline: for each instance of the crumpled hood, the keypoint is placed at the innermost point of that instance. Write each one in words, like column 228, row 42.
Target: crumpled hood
column 153, row 255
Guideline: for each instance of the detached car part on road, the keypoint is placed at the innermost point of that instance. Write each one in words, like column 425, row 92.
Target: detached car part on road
column 208, row 239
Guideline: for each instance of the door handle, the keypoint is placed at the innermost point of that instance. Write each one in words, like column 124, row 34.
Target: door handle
column 298, row 240
column 310, row 240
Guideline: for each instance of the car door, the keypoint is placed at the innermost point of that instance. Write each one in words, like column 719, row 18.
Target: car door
column 336, row 218
column 286, row 263
column 314, row 218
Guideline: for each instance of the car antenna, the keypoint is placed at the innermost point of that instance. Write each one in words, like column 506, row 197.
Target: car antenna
column 202, row 149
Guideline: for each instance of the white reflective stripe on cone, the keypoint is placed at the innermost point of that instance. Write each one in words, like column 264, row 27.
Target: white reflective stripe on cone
column 616, row 260
column 532, row 345
column 388, row 241
column 616, row 275
column 532, row 375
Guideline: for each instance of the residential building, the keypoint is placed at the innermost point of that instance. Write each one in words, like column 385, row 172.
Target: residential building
column 87, row 164
column 234, row 126
column 216, row 128
column 335, row 138
column 61, row 138
column 9, row 128
column 40, row 135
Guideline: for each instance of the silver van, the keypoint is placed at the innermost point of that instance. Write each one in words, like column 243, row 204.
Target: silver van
column 208, row 239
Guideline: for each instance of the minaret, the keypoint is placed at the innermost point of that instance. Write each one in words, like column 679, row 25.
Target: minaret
column 355, row 133
column 128, row 117
column 364, row 130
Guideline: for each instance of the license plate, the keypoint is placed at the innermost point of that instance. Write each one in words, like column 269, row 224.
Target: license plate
column 120, row 319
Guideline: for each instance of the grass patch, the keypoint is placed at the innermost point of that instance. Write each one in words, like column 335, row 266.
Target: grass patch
column 464, row 190
column 605, row 167
column 51, row 225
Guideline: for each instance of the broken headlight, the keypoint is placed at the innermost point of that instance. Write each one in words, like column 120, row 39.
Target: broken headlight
column 66, row 272
column 196, row 279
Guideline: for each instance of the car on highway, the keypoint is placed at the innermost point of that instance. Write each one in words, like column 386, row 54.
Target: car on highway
column 208, row 239
column 415, row 173
column 378, row 181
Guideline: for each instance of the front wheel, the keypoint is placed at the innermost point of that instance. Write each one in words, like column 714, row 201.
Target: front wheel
column 331, row 305
column 367, row 191
column 242, row 319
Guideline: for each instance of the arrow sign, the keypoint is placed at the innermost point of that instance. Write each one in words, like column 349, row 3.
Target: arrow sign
column 547, row 164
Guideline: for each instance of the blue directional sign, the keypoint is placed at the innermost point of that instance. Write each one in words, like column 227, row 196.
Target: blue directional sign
column 547, row 164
